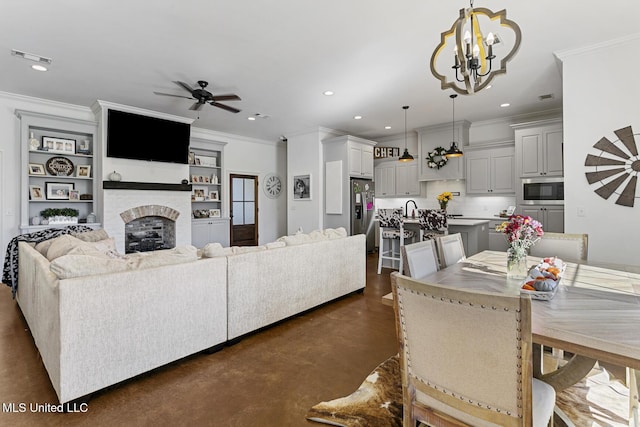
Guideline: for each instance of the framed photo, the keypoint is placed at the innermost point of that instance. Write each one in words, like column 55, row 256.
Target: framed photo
column 302, row 187
column 58, row 190
column 194, row 178
column 74, row 195
column 198, row 194
column 83, row 171
column 84, row 147
column 36, row 193
column 36, row 169
column 214, row 195
column 59, row 145
column 214, row 213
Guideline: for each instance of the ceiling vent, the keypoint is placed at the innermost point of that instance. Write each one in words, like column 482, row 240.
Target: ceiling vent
column 30, row 56
column 547, row 96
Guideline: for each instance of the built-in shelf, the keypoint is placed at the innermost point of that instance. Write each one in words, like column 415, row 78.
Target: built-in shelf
column 126, row 185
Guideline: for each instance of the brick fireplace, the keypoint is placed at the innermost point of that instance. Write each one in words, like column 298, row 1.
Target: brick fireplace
column 166, row 211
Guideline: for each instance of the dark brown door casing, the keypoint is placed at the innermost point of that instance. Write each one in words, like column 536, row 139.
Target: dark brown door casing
column 244, row 210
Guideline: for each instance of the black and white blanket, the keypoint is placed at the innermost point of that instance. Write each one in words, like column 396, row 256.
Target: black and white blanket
column 10, row 270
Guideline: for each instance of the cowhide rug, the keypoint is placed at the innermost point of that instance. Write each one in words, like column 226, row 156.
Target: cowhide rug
column 596, row 401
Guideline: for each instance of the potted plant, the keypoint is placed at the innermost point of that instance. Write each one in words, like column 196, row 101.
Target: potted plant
column 60, row 215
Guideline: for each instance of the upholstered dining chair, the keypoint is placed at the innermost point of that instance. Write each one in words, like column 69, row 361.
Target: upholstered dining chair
column 420, row 259
column 465, row 357
column 573, row 247
column 433, row 223
column 450, row 249
column 392, row 236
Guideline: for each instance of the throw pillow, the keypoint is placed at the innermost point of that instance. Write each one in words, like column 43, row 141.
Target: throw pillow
column 92, row 236
column 317, row 235
column 43, row 246
column 62, row 245
column 212, row 250
column 297, row 239
column 335, row 233
column 275, row 245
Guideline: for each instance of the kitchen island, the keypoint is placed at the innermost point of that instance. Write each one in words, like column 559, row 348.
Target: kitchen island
column 474, row 232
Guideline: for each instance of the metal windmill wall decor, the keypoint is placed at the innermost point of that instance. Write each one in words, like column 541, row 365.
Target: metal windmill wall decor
column 617, row 167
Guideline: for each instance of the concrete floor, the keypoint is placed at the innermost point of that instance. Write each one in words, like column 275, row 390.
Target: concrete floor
column 268, row 379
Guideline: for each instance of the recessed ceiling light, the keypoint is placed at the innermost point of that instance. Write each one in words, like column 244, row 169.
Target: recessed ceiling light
column 357, row 117
column 39, row 67
column 251, row 118
column 506, row 104
column 387, row 127
column 328, row 92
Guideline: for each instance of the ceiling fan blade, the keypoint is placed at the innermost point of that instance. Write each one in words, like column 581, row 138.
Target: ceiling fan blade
column 225, row 107
column 170, row 94
column 184, row 85
column 196, row 106
column 230, row 97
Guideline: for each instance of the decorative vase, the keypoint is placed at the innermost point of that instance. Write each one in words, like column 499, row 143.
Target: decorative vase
column 91, row 218
column 516, row 262
column 443, row 206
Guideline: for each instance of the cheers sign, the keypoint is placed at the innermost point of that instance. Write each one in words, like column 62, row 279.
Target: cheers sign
column 384, row 152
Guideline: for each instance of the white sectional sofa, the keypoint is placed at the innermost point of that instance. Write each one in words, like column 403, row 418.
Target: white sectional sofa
column 97, row 322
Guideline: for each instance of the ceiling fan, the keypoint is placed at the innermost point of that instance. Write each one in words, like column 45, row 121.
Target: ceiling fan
column 203, row 96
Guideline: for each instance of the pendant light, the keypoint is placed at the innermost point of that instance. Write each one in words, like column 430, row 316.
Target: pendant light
column 453, row 151
column 406, row 157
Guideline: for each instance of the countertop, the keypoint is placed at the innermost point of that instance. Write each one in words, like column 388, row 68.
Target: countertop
column 454, row 221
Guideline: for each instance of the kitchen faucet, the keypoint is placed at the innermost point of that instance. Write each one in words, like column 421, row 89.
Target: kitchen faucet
column 406, row 207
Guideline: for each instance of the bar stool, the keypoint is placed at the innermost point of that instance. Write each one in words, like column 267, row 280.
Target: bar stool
column 392, row 231
column 433, row 223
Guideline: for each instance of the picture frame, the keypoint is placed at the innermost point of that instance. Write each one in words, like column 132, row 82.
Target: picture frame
column 59, row 145
column 84, row 147
column 214, row 195
column 301, row 187
column 58, row 190
column 214, row 213
column 198, row 194
column 74, row 195
column 83, row 171
column 36, row 169
column 35, row 192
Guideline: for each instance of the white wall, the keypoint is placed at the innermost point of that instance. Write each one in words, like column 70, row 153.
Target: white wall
column 600, row 95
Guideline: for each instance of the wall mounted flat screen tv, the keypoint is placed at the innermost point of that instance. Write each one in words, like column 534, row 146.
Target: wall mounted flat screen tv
column 138, row 137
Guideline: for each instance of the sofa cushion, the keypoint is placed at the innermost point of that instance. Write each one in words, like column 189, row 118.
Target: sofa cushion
column 43, row 246
column 92, row 236
column 335, row 233
column 247, row 249
column 62, row 245
column 212, row 250
column 296, row 239
column 317, row 235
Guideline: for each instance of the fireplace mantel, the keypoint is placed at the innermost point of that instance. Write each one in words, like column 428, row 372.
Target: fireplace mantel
column 126, row 185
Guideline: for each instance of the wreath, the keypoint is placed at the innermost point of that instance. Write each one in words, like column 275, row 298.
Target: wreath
column 437, row 164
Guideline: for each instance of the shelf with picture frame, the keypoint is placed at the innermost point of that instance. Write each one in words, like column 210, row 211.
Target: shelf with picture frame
column 210, row 220
column 56, row 149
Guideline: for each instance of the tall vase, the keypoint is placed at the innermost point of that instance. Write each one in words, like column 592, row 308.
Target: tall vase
column 516, row 262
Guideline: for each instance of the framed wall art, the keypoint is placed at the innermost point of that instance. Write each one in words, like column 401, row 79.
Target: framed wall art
column 302, row 187
column 59, row 145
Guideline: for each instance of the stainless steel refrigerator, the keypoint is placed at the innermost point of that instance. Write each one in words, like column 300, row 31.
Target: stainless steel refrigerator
column 363, row 210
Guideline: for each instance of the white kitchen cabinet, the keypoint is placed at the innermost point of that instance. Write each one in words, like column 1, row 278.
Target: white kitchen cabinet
column 431, row 137
column 407, row 183
column 385, row 179
column 397, row 179
column 491, row 170
column 539, row 149
column 551, row 217
column 356, row 153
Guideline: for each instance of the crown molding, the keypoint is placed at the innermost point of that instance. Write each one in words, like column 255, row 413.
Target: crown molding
column 567, row 53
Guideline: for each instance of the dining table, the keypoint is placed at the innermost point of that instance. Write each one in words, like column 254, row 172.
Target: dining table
column 593, row 315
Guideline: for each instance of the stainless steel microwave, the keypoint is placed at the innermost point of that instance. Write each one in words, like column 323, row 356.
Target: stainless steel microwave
column 548, row 191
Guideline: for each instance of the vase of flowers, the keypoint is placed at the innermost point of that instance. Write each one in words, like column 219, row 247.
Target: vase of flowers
column 444, row 198
column 522, row 232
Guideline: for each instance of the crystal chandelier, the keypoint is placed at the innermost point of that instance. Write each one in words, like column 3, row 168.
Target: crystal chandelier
column 474, row 61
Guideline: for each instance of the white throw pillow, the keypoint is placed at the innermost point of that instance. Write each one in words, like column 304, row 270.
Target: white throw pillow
column 335, row 233
column 92, row 236
column 62, row 245
column 212, row 250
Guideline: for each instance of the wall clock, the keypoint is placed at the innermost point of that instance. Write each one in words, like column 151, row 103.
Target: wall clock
column 272, row 185
column 617, row 167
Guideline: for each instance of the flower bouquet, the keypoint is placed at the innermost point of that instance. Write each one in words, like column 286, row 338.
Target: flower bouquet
column 444, row 198
column 522, row 232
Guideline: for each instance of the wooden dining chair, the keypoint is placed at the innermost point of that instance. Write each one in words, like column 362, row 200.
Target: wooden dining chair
column 465, row 357
column 572, row 247
column 450, row 249
column 420, row 259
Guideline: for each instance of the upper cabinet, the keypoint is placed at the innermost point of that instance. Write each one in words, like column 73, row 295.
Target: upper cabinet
column 491, row 170
column 357, row 153
column 397, row 179
column 432, row 137
column 539, row 149
column 58, row 168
